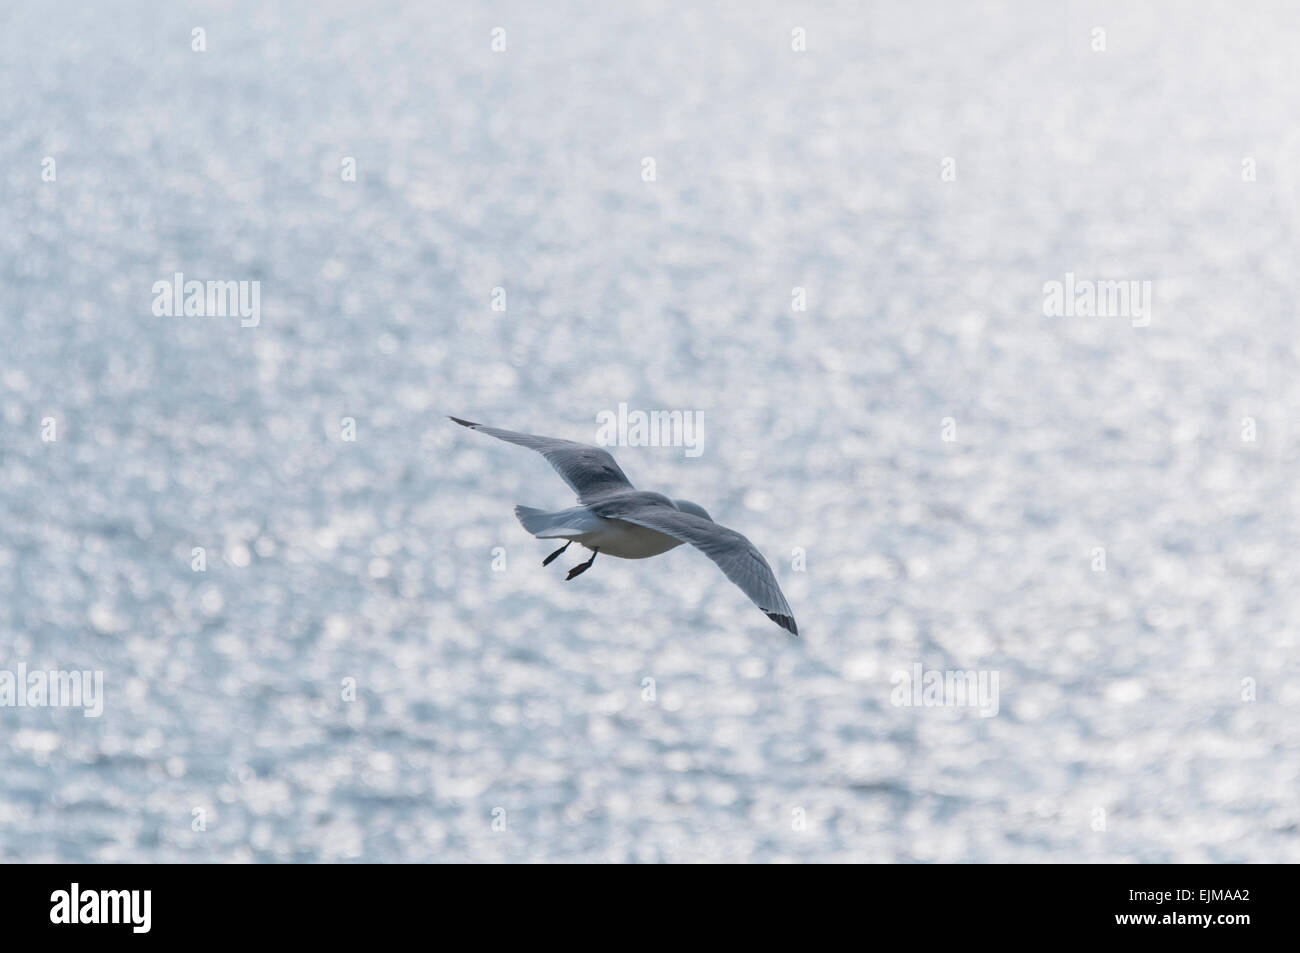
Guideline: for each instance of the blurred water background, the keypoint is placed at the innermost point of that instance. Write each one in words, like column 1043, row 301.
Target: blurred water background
column 488, row 688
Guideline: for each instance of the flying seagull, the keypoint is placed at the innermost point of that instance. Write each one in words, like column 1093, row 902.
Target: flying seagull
column 620, row 520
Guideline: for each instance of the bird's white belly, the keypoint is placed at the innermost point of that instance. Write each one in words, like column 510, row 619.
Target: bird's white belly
column 626, row 540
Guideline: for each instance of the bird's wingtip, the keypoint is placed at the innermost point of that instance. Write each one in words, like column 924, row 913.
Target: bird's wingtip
column 463, row 423
column 784, row 621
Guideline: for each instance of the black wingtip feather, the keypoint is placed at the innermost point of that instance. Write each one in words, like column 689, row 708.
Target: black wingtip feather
column 463, row 423
column 785, row 622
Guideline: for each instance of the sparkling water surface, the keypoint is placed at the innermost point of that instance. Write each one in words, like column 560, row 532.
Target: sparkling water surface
column 1147, row 712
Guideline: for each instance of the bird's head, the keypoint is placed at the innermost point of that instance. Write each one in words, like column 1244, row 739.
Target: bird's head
column 686, row 506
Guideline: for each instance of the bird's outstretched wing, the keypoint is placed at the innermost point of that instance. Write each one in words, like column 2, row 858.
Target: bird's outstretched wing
column 590, row 471
column 735, row 555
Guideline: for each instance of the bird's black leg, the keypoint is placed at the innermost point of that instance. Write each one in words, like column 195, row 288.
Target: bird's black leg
column 579, row 569
column 551, row 558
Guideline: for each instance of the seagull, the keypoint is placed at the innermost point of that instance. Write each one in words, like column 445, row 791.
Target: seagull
column 619, row 520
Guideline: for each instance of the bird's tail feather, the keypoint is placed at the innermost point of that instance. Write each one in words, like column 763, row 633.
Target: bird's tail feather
column 534, row 520
column 565, row 523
